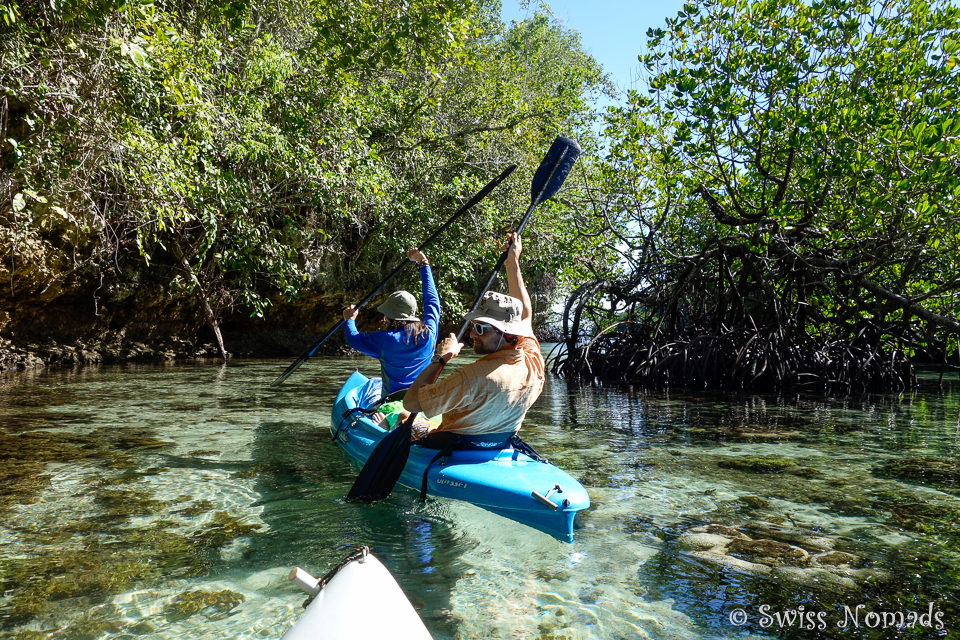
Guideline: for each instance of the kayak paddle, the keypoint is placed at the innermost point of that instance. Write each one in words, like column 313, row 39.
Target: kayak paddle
column 382, row 469
column 309, row 353
column 550, row 175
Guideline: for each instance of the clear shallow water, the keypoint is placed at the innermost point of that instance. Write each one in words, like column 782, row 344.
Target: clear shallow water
column 129, row 490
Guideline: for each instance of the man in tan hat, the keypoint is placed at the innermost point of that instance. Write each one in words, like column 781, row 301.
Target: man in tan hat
column 491, row 395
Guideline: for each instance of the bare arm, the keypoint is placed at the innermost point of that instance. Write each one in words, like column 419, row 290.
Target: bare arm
column 514, row 280
column 448, row 349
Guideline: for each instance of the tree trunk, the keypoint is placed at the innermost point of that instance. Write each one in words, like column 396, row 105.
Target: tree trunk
column 202, row 299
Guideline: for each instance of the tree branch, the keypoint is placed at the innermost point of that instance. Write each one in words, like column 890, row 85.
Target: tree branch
column 467, row 132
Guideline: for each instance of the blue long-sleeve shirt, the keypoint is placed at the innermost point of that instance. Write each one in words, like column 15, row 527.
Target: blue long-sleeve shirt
column 400, row 363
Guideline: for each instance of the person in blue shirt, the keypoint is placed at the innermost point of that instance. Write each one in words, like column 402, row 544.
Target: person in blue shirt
column 405, row 346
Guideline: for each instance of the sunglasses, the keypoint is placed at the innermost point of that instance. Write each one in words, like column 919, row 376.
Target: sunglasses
column 480, row 327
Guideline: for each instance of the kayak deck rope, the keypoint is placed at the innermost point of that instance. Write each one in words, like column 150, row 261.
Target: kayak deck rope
column 372, row 409
column 364, row 412
column 343, row 421
column 360, row 554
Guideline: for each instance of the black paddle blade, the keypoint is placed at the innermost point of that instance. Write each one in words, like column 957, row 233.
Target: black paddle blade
column 384, row 466
column 547, row 181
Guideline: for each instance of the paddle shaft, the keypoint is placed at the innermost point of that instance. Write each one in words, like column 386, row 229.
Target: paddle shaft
column 400, row 267
column 503, row 256
column 407, row 426
column 474, row 200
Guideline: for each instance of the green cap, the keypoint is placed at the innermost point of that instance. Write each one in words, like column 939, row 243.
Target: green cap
column 399, row 305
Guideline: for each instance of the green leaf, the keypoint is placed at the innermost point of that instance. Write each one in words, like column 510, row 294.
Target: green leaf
column 136, row 54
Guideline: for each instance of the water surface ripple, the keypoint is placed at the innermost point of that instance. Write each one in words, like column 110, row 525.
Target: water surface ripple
column 170, row 501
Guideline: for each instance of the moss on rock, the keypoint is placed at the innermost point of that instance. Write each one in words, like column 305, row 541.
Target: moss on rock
column 191, row 602
column 758, row 464
column 224, row 529
column 754, row 502
column 939, row 472
column 769, row 552
column 805, row 472
column 196, row 508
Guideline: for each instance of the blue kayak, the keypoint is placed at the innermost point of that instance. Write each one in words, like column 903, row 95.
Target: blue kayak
column 504, row 481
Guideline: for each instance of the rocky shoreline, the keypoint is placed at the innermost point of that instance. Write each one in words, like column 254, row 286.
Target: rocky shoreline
column 272, row 337
column 152, row 326
column 35, row 356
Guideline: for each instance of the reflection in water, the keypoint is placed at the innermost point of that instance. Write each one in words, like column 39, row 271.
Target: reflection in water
column 171, row 501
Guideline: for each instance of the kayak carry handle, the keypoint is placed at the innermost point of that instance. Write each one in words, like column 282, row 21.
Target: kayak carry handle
column 312, row 586
column 307, row 583
column 545, row 500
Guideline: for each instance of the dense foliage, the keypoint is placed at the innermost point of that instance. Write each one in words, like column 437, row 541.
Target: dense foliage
column 785, row 200
column 780, row 204
column 242, row 152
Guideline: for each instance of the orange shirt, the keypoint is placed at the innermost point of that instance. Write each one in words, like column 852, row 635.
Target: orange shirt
column 491, row 395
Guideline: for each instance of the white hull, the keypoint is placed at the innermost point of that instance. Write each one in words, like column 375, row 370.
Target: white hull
column 361, row 602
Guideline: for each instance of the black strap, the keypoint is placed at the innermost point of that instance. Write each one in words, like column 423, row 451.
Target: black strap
column 372, row 409
column 486, row 441
column 443, row 440
column 423, row 485
column 448, row 441
column 526, row 449
column 368, row 411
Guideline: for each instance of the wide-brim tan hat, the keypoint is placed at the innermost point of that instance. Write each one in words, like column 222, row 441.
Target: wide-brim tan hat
column 503, row 312
column 399, row 305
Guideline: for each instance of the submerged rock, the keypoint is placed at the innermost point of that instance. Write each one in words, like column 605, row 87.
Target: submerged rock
column 805, row 472
column 754, row 502
column 933, row 516
column 937, row 471
column 814, row 578
column 835, row 558
column 758, row 464
column 702, row 542
column 790, row 554
column 768, row 552
column 723, row 530
column 188, row 603
column 800, row 537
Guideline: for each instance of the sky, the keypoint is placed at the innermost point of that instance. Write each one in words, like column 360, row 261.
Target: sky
column 612, row 31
